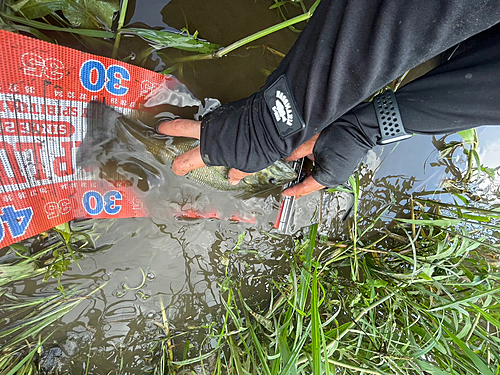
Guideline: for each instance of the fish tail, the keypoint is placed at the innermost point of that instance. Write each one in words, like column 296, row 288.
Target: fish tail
column 99, row 132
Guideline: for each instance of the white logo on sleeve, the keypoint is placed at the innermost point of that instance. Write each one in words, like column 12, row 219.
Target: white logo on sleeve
column 282, row 110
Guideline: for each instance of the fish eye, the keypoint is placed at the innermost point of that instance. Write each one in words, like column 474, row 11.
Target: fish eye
column 272, row 180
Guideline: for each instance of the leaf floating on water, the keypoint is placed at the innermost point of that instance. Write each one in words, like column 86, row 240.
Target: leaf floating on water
column 64, row 230
column 160, row 39
column 88, row 14
column 44, row 26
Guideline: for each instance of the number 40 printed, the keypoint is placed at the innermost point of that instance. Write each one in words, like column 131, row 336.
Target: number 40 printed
column 16, row 221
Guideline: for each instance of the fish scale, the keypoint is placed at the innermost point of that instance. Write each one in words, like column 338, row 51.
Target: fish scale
column 104, row 124
column 215, row 177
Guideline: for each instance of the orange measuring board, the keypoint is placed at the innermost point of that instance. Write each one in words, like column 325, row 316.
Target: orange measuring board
column 44, row 91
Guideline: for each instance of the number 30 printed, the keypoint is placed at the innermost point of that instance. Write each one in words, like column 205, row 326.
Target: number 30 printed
column 94, row 77
column 94, row 203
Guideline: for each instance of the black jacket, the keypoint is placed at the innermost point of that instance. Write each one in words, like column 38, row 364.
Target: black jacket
column 348, row 51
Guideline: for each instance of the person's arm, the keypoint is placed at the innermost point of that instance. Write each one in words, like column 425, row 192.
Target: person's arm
column 348, row 51
column 461, row 93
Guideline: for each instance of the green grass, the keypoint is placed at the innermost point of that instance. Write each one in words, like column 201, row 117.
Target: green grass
column 92, row 18
column 27, row 319
column 419, row 298
column 422, row 298
column 30, row 319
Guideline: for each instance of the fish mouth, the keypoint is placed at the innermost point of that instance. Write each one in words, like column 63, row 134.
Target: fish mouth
column 276, row 175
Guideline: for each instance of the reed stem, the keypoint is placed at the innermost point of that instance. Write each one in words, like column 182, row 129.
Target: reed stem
column 259, row 34
column 121, row 22
column 251, row 38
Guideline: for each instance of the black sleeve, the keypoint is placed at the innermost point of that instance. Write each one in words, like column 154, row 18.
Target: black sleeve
column 348, row 51
column 461, row 93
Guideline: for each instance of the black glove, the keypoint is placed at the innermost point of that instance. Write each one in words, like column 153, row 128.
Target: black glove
column 461, row 93
column 349, row 50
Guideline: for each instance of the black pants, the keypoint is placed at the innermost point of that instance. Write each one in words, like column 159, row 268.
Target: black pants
column 349, row 50
column 461, row 93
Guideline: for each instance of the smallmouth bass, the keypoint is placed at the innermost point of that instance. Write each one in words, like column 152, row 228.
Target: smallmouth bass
column 106, row 126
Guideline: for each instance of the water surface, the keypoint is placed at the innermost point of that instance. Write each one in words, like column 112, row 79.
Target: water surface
column 183, row 262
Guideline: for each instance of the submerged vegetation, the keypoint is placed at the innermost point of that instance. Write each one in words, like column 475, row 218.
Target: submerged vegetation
column 411, row 293
column 413, row 289
column 27, row 321
column 105, row 19
column 422, row 298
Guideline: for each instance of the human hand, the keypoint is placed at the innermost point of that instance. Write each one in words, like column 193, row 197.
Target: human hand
column 190, row 160
column 186, row 162
column 309, row 185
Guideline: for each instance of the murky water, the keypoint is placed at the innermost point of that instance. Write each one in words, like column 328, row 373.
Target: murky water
column 183, row 261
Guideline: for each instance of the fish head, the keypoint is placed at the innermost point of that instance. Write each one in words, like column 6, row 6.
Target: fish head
column 277, row 174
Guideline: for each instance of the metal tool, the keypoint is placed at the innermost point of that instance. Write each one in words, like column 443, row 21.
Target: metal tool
column 287, row 203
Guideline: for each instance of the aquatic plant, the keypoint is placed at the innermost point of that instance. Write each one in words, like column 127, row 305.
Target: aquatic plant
column 420, row 295
column 411, row 294
column 27, row 319
column 92, row 18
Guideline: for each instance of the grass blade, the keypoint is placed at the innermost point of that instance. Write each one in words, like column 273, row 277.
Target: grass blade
column 44, row 26
column 481, row 366
column 160, row 39
column 316, row 326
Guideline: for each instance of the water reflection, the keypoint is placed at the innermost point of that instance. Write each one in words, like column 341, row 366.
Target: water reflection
column 184, row 262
